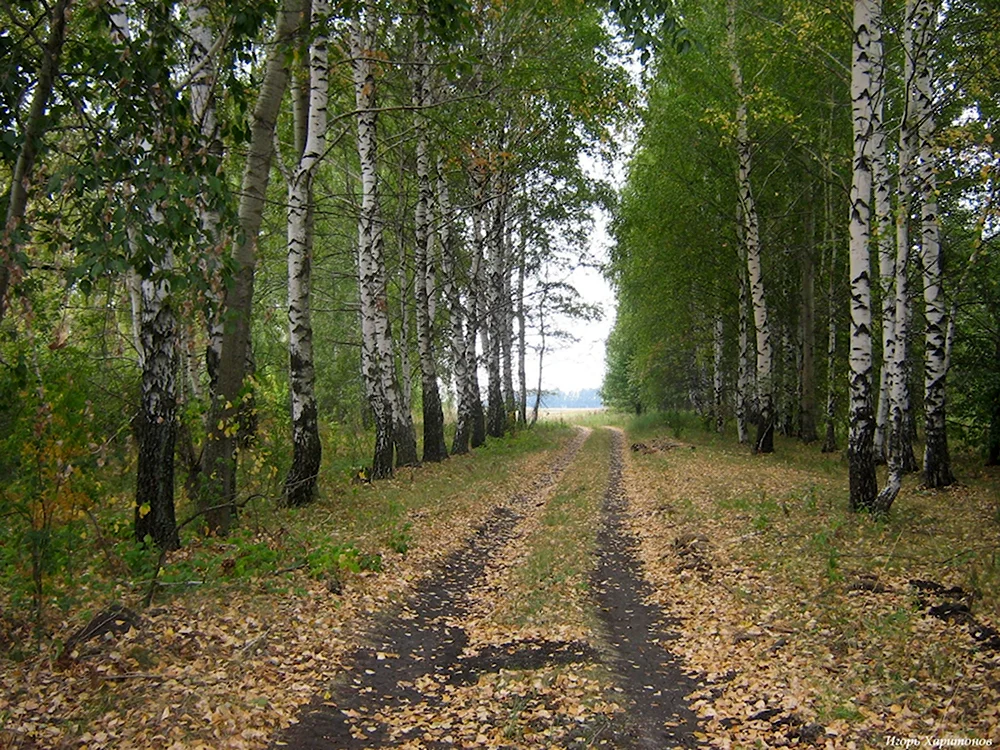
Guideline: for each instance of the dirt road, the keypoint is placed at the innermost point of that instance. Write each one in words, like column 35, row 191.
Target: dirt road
column 420, row 681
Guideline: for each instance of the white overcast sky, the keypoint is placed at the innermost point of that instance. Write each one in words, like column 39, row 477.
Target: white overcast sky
column 580, row 365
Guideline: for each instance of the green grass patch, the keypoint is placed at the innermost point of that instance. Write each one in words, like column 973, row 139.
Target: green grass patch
column 550, row 581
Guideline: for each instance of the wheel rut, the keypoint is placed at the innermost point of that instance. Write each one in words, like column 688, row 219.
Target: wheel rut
column 399, row 688
column 649, row 673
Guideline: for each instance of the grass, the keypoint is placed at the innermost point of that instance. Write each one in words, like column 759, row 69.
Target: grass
column 551, row 577
column 788, row 556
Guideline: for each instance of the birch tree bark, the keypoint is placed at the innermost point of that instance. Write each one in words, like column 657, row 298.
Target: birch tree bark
column 434, row 445
column 937, row 463
column 860, row 452
column 831, row 241
column 807, row 322
column 522, row 335
column 507, row 321
column 479, row 294
column 718, row 341
column 883, row 239
column 301, row 481
column 899, row 447
column 764, row 442
column 477, row 312
column 157, row 429
column 203, row 111
column 744, row 372
column 496, row 416
column 158, row 346
column 391, row 425
column 218, row 495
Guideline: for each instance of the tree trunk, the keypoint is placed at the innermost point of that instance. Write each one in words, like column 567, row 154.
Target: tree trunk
column 744, row 372
column 203, row 113
column 219, row 456
column 764, row 442
column 860, row 452
column 378, row 367
column 456, row 316
column 717, row 375
column 307, row 450
column 522, row 337
column 937, row 463
column 831, row 240
column 154, row 492
column 476, row 308
column 34, row 127
column 507, row 348
column 434, row 445
column 158, row 347
column 882, row 235
column 541, row 359
column 807, row 381
column 496, row 416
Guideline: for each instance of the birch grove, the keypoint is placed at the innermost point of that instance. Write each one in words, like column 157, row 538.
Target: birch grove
column 414, row 267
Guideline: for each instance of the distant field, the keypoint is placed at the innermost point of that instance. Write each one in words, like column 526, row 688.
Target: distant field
column 570, row 414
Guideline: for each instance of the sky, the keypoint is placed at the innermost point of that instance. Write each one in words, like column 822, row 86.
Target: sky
column 580, row 365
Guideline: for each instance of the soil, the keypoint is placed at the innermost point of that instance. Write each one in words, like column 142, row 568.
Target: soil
column 418, row 655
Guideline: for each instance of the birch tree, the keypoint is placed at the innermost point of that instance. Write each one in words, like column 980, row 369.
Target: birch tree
column 218, row 495
column 460, row 361
column 937, row 462
column 301, row 481
column 393, row 429
column 153, row 260
column 434, row 444
column 860, row 448
column 751, row 238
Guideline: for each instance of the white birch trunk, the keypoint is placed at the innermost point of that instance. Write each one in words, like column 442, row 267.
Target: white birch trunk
column 158, row 348
column 301, row 482
column 478, row 307
column 496, row 416
column 507, row 347
column 744, row 371
column 899, row 448
column 937, row 463
column 884, row 242
column 764, row 442
column 377, row 369
column 203, row 84
column 522, row 335
column 434, row 445
column 393, row 427
column 830, row 241
column 476, row 304
column 718, row 341
column 456, row 315
column 861, row 458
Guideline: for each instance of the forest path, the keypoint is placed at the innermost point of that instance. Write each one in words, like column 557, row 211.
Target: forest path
column 447, row 669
